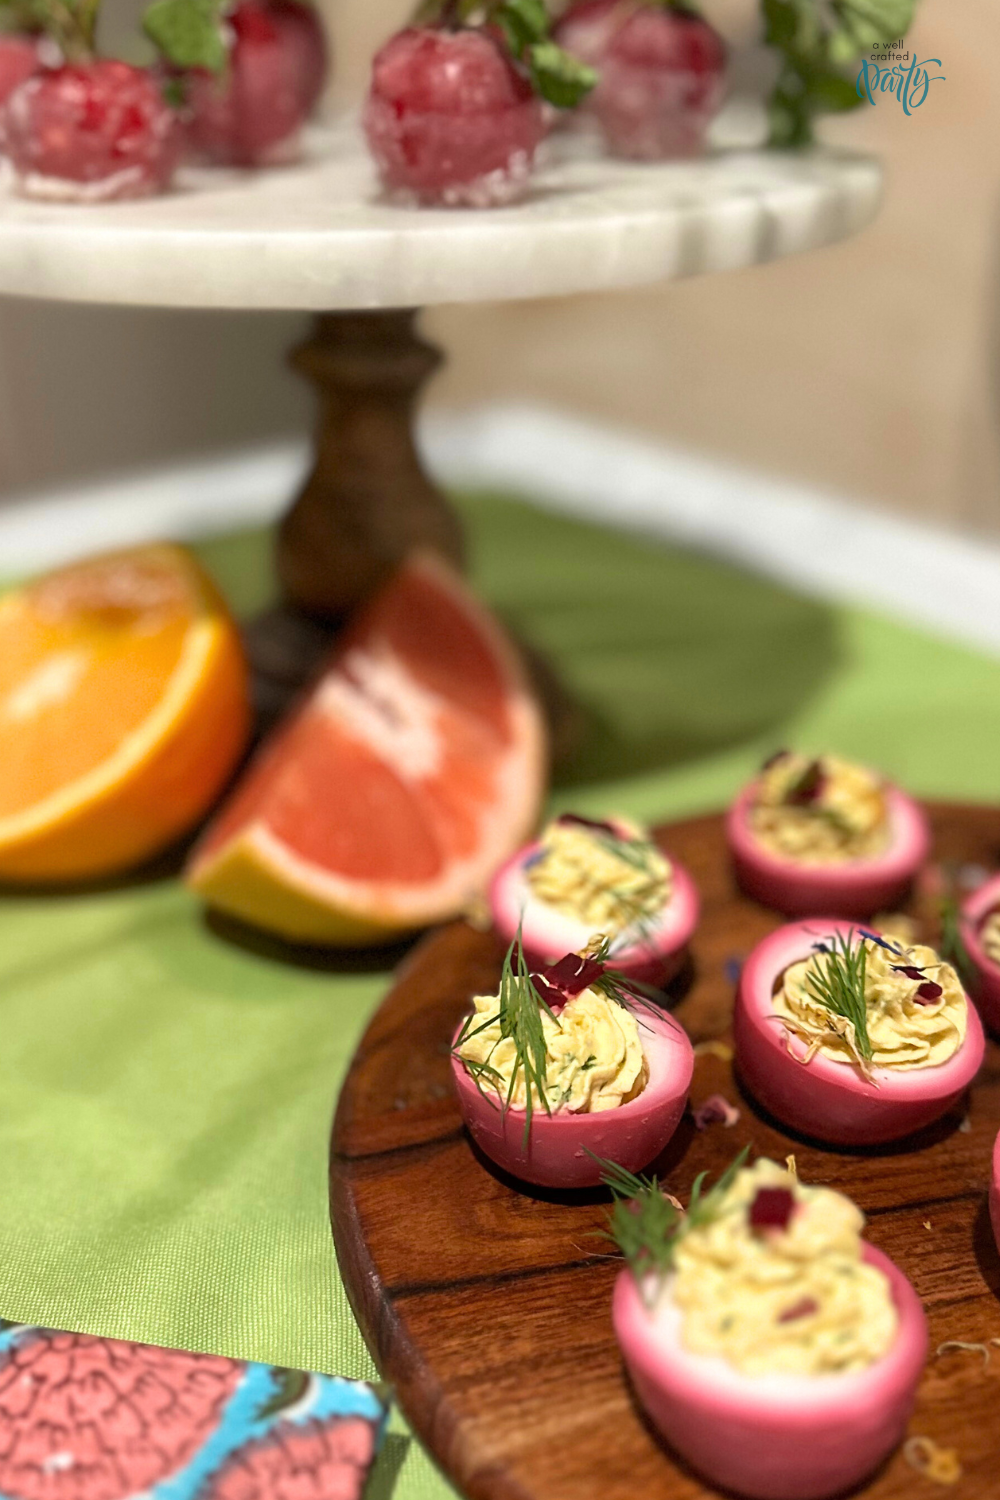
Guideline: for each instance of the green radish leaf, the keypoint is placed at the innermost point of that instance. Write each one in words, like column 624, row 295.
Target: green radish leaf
column 820, row 42
column 187, row 32
column 559, row 78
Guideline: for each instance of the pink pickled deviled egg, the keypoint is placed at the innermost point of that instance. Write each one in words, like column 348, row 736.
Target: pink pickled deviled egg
column 995, row 1192
column 980, row 927
column 773, row 1348
column 563, row 1066
column 583, row 877
column 847, row 1067
column 815, row 835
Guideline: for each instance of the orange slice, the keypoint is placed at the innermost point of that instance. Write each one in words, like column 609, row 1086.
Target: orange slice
column 123, row 708
column 413, row 769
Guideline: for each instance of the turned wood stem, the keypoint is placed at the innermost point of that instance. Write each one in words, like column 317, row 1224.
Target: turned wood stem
column 368, row 501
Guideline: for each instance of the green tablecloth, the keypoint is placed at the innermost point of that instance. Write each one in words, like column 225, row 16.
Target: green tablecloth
column 167, row 1094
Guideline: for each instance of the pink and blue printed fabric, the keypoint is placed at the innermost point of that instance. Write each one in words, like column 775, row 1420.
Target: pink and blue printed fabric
column 86, row 1418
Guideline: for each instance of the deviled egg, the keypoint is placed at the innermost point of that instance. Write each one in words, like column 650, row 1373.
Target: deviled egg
column 852, row 1036
column 583, row 877
column 564, row 1065
column 773, row 1348
column 813, row 835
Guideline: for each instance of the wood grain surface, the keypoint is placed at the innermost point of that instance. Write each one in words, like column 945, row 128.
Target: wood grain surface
column 487, row 1304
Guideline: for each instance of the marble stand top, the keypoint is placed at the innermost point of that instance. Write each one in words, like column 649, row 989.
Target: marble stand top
column 317, row 236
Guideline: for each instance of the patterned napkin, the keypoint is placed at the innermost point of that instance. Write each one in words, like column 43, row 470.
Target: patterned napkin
column 85, row 1418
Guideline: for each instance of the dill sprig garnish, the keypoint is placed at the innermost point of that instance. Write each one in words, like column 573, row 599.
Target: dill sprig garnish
column 623, row 989
column 646, row 1225
column 836, row 978
column 520, row 1003
column 519, row 1012
column 636, row 852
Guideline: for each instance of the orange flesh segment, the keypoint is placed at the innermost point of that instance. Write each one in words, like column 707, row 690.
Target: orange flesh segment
column 85, row 657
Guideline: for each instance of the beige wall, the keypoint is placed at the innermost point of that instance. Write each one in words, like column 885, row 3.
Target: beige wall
column 868, row 367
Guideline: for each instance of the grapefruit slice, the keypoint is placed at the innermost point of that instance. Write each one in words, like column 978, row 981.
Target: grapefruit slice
column 411, row 771
column 123, row 708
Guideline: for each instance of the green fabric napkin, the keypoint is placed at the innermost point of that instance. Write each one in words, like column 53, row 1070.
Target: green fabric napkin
column 168, row 1094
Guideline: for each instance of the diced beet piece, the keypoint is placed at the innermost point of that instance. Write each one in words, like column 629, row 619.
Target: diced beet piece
column 91, row 132
column 573, row 974
column 772, row 1208
column 804, row 1308
column 928, row 992
column 450, row 120
column 574, row 819
column 808, row 788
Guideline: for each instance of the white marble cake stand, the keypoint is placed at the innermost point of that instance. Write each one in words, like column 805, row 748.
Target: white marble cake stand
column 317, row 236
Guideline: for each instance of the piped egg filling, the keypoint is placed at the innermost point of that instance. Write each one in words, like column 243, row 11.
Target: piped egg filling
column 874, row 1001
column 989, row 935
column 593, row 1056
column 819, row 810
column 774, row 1281
column 608, row 876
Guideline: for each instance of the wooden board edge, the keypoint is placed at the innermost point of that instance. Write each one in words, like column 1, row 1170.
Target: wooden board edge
column 383, row 1328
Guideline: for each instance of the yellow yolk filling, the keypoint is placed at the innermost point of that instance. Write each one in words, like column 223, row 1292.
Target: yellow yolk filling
column 606, row 883
column 904, row 1030
column 847, row 818
column 594, row 1059
column 989, row 936
column 799, row 1300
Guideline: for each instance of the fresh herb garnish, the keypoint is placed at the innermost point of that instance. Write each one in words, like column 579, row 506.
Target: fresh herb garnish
column 638, row 853
column 819, row 41
column 523, row 995
column 836, row 978
column 646, row 1225
column 519, row 1012
column 624, row 989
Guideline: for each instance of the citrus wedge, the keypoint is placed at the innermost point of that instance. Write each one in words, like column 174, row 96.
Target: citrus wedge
column 411, row 771
column 123, row 708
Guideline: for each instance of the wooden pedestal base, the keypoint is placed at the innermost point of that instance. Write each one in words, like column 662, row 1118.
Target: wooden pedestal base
column 367, row 502
column 364, row 507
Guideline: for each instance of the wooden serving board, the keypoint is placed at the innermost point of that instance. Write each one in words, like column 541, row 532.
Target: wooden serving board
column 487, row 1305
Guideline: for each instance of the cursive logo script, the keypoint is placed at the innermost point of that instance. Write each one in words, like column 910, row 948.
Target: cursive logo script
column 909, row 85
